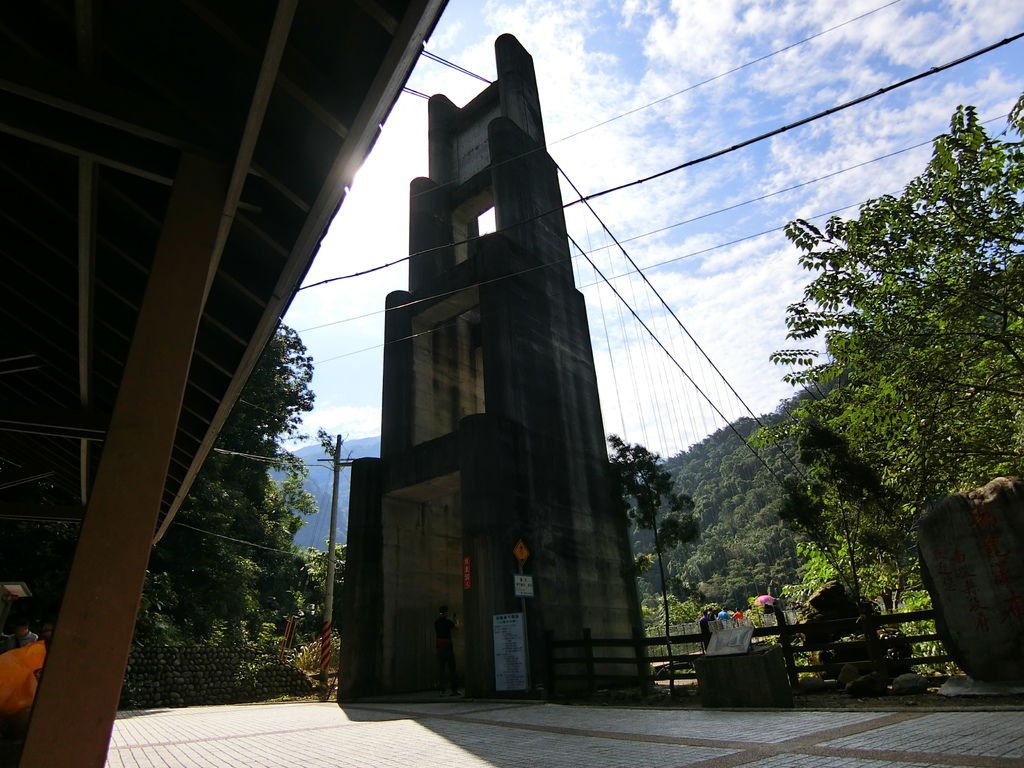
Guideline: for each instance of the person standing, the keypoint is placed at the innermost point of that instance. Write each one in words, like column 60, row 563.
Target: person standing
column 443, row 629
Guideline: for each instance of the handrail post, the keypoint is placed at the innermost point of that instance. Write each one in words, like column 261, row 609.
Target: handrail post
column 786, row 640
column 642, row 666
column 871, row 641
column 588, row 653
column 549, row 662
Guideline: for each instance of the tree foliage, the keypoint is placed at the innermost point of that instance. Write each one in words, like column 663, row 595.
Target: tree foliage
column 851, row 517
column 744, row 549
column 645, row 492
column 227, row 566
column 918, row 306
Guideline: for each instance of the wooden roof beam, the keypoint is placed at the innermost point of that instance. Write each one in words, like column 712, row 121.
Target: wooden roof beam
column 77, row 94
column 82, row 138
column 419, row 19
column 40, row 513
column 288, row 84
column 19, row 364
column 374, row 10
column 24, row 477
column 54, row 422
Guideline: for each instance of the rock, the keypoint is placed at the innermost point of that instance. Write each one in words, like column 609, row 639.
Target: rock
column 848, row 674
column 909, row 683
column 815, row 685
column 972, row 560
column 829, row 601
column 872, row 684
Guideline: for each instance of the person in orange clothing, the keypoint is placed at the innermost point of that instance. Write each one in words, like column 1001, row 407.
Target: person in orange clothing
column 19, row 678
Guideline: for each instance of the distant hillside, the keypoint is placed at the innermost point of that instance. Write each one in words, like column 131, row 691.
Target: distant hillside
column 318, row 482
column 744, row 549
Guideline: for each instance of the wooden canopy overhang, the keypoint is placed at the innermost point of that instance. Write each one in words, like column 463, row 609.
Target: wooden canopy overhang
column 167, row 170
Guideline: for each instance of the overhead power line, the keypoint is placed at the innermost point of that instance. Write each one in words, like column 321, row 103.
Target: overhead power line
column 810, row 119
column 253, row 457
column 726, row 73
column 237, row 541
column 659, row 230
column 696, row 161
column 662, row 99
column 672, row 357
column 548, row 264
column 681, row 325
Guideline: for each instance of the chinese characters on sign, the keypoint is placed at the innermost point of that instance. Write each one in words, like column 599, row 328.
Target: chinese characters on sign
column 509, row 652
column 971, row 547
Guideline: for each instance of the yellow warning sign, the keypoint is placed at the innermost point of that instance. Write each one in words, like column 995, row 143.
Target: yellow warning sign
column 520, row 551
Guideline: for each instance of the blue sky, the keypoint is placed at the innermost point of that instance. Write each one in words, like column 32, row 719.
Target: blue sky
column 598, row 60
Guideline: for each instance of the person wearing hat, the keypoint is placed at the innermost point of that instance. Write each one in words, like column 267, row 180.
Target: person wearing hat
column 443, row 629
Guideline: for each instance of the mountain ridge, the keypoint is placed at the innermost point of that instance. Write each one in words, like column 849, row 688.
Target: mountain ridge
column 316, row 527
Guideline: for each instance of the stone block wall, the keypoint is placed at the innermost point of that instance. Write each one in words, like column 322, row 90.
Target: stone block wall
column 183, row 677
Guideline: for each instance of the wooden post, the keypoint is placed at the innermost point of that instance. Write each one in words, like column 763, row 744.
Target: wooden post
column 874, row 647
column 786, row 640
column 549, row 662
column 640, row 653
column 588, row 653
column 77, row 700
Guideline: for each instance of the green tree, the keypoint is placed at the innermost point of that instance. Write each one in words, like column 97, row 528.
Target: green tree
column 644, row 491
column 920, row 304
column 850, row 516
column 227, row 565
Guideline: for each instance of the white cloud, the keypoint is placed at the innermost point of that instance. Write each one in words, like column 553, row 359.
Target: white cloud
column 598, row 59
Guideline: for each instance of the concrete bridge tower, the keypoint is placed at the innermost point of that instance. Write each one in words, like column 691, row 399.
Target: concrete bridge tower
column 491, row 425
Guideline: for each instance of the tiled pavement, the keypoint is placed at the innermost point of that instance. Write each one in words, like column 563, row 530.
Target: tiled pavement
column 533, row 735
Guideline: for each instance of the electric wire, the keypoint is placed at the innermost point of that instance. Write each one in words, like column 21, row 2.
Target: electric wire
column 294, row 553
column 662, row 99
column 254, row 457
column 650, row 233
column 588, row 285
column 695, row 161
column 679, row 322
column 680, row 367
column 726, row 73
column 804, row 121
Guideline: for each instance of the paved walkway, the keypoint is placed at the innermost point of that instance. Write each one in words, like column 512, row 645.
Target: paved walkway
column 454, row 734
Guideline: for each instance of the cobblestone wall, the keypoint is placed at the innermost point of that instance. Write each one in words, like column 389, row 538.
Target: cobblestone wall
column 183, row 677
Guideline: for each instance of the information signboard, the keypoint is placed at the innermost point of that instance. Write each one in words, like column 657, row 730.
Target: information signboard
column 510, row 672
column 523, row 584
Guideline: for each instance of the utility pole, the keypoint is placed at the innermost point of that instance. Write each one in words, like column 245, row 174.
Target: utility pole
column 325, row 636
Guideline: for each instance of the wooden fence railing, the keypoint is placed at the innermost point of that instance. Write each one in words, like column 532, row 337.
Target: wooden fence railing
column 867, row 641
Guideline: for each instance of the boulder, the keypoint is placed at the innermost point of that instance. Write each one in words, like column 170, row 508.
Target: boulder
column 972, row 561
column 848, row 674
column 871, row 684
column 909, row 683
column 829, row 601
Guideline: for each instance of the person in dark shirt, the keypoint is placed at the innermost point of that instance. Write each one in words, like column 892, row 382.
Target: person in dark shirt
column 443, row 629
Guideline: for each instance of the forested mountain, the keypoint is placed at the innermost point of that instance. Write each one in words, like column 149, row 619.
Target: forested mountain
column 317, row 484
column 744, row 549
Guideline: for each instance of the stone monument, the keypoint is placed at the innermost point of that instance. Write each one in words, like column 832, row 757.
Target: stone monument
column 491, row 431
column 972, row 561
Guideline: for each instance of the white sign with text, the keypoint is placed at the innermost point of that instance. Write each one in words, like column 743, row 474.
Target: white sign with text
column 509, row 652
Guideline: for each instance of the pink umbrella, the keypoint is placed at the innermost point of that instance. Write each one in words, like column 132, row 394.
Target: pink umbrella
column 764, row 600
